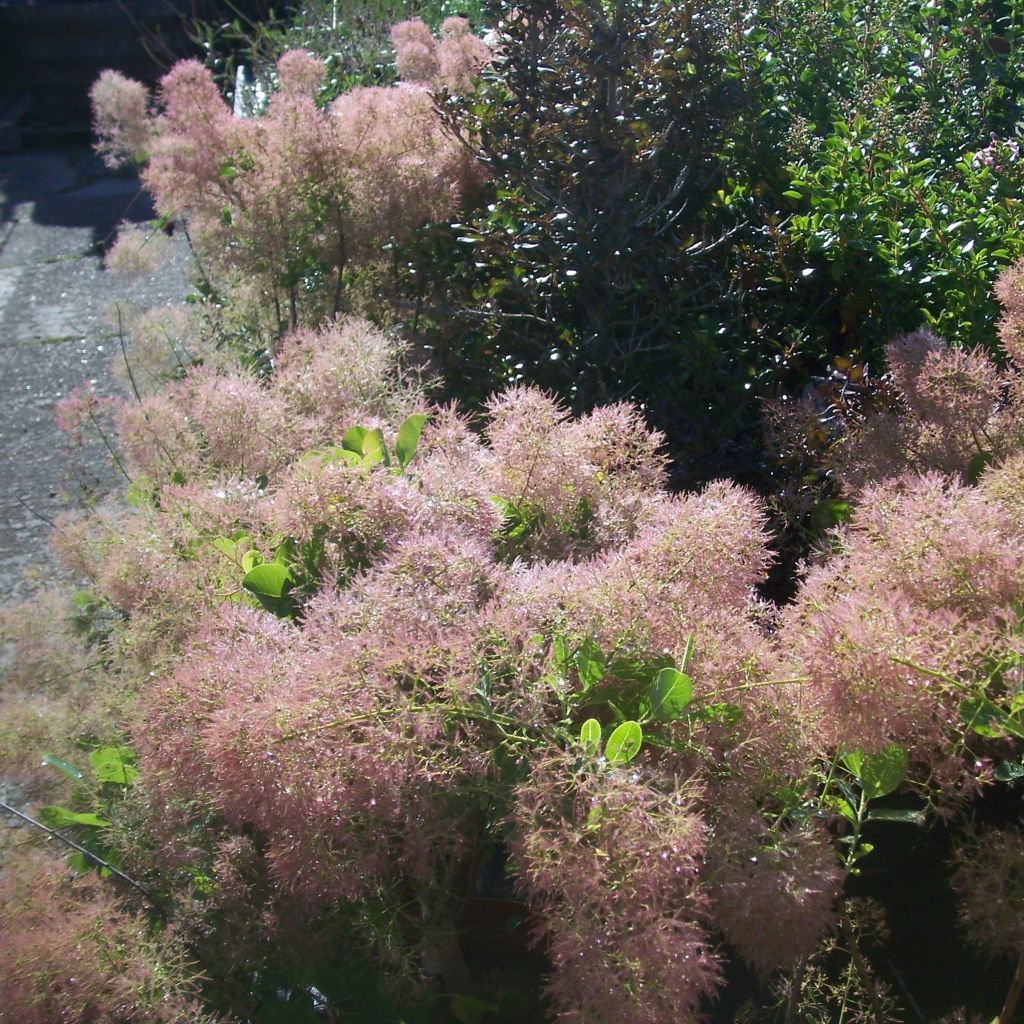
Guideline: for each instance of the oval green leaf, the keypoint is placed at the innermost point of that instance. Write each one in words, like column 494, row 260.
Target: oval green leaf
column 624, row 743
column 352, row 440
column 62, row 766
column 409, row 438
column 268, row 580
column 114, row 764
column 590, row 737
column 61, row 817
column 670, row 694
column 882, row 772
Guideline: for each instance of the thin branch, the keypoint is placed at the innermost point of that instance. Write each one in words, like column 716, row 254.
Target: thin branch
column 124, row 354
column 88, row 854
column 39, row 515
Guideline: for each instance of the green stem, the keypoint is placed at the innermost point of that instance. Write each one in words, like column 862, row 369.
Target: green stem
column 877, row 1009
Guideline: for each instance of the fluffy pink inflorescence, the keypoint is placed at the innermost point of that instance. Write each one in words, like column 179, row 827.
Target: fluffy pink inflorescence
column 454, row 62
column 82, row 412
column 137, row 251
column 120, row 119
column 774, row 895
column 299, row 193
column 353, row 741
column 1010, row 291
column 343, row 373
column 415, row 51
column 894, row 632
column 300, row 73
column 587, row 485
column 69, row 953
column 611, row 865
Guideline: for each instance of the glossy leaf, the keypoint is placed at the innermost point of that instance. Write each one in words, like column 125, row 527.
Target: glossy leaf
column 409, row 438
column 670, row 694
column 624, row 743
column 897, row 814
column 590, row 737
column 62, row 766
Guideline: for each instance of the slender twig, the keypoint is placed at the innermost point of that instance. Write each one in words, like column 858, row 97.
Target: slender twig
column 863, row 971
column 795, row 989
column 110, row 448
column 88, row 854
column 124, row 354
column 39, row 515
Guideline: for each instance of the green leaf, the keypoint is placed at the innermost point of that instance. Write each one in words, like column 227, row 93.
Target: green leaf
column 365, row 443
column 837, row 803
column 226, row 547
column 624, row 743
column 114, row 764
column 269, row 580
column 373, row 448
column 270, row 584
column 882, row 772
column 251, row 559
column 352, row 440
column 1009, row 771
column 670, row 694
column 898, row 814
column 854, row 761
column 684, row 662
column 590, row 663
column 79, row 863
column 409, row 438
column 62, row 766
column 590, row 737
column 563, row 656
column 988, row 719
column 61, row 817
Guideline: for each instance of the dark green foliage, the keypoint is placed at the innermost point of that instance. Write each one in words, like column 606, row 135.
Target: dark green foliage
column 859, row 160
column 600, row 269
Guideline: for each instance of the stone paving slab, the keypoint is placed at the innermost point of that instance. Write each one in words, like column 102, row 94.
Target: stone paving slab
column 56, row 210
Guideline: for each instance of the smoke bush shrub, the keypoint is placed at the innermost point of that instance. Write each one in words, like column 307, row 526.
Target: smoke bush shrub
column 576, row 674
column 297, row 198
column 70, row 953
column 446, row 646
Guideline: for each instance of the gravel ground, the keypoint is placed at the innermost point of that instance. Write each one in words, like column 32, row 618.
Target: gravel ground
column 57, row 209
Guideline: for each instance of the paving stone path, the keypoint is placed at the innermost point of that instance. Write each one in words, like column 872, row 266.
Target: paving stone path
column 57, row 210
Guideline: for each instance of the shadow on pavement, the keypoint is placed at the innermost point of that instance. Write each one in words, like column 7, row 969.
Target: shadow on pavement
column 70, row 188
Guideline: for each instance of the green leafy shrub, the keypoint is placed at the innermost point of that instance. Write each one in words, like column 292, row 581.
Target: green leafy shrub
column 867, row 159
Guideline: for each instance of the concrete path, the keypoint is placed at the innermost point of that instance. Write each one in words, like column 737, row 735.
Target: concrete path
column 57, row 211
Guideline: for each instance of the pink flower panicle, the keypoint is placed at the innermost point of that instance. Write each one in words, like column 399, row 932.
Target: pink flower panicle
column 453, row 62
column 120, row 119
